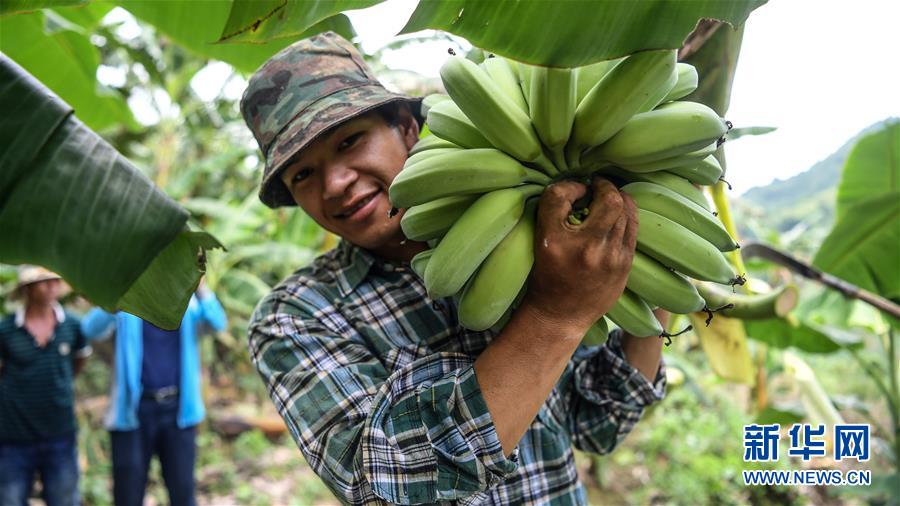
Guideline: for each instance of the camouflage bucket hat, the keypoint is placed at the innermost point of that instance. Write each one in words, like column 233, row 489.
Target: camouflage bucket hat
column 300, row 93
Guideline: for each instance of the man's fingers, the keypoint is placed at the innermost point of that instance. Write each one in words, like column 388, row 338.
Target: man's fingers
column 606, row 207
column 617, row 233
column 556, row 203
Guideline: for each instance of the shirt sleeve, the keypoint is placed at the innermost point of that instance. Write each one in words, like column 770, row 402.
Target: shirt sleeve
column 82, row 348
column 98, row 324
column 418, row 433
column 601, row 396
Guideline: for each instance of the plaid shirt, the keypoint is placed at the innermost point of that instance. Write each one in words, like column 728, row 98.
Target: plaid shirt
column 376, row 384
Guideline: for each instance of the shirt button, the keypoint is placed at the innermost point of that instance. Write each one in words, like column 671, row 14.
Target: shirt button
column 437, row 305
column 388, row 267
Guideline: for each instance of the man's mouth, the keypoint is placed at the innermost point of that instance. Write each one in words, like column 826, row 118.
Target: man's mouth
column 346, row 213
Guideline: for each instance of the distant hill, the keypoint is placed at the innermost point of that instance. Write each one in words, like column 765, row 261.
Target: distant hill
column 802, row 205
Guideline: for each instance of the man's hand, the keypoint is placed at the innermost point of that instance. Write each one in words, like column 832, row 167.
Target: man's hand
column 580, row 270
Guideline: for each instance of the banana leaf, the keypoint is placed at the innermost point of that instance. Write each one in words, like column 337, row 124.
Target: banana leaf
column 72, row 203
column 18, row 6
column 725, row 343
column 793, row 333
column 181, row 20
column 863, row 247
column 570, row 34
column 60, row 54
column 264, row 20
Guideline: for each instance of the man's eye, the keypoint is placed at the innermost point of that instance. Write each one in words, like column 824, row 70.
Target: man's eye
column 350, row 141
column 301, row 175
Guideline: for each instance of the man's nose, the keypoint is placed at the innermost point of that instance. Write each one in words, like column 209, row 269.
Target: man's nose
column 338, row 177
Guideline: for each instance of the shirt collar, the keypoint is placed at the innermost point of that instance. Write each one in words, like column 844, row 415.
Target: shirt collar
column 354, row 264
column 57, row 308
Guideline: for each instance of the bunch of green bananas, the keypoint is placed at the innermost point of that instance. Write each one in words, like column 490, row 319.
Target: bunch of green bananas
column 505, row 130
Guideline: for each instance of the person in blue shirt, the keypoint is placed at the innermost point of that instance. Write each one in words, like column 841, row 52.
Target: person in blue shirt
column 156, row 401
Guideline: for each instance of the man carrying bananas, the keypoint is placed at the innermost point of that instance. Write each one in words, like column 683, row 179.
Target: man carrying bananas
column 389, row 399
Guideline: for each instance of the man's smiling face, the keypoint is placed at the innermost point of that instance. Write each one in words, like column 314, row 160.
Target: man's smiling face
column 342, row 178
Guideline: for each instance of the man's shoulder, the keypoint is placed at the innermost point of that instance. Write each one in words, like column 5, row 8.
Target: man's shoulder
column 306, row 290
column 7, row 324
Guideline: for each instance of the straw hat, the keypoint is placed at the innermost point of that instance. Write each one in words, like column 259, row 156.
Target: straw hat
column 30, row 274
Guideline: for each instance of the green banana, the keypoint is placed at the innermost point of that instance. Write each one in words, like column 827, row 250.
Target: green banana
column 682, row 250
column 687, row 82
column 671, row 181
column 706, row 172
column 671, row 205
column 432, row 219
column 428, row 153
column 552, row 102
column 472, row 238
column 589, row 75
column 634, row 316
column 430, row 101
column 673, row 162
column 459, row 172
column 659, row 95
column 619, row 95
column 662, row 287
column 497, row 117
column 669, row 130
column 420, row 261
column 448, row 122
column 431, row 142
column 496, row 284
column 597, row 334
column 507, row 79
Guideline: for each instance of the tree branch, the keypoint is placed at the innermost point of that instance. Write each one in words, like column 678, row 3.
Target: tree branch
column 764, row 251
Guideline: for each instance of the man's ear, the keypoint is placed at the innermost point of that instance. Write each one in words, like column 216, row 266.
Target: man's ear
column 409, row 127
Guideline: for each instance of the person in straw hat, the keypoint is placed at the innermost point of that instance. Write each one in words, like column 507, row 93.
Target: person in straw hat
column 389, row 399
column 41, row 350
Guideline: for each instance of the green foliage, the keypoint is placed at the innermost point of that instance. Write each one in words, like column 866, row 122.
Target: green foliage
column 18, row 6
column 259, row 21
column 107, row 230
column 692, row 450
column 864, row 245
column 566, row 34
column 60, row 54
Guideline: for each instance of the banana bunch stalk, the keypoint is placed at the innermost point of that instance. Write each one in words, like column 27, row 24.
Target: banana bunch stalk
column 505, row 130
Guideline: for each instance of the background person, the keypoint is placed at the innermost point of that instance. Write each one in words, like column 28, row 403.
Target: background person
column 387, row 396
column 156, row 400
column 41, row 350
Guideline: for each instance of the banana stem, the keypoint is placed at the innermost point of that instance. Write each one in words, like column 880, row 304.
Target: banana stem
column 724, row 210
column 775, row 304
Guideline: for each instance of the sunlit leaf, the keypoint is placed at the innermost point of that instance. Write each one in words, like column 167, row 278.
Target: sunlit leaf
column 181, row 20
column 872, row 169
column 72, row 203
column 569, row 34
column 263, row 20
column 60, row 54
column 863, row 247
column 17, row 6
column 725, row 343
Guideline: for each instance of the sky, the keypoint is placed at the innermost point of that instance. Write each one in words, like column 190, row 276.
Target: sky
column 818, row 70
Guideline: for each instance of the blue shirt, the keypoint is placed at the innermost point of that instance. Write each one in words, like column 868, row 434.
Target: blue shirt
column 127, row 388
column 161, row 364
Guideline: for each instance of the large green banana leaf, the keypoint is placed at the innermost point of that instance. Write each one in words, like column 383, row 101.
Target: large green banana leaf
column 17, row 6
column 569, row 34
column 60, row 54
column 263, row 20
column 72, row 203
column 197, row 25
column 793, row 333
column 863, row 247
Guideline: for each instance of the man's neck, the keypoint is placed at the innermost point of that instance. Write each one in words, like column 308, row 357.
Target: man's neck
column 39, row 311
column 400, row 251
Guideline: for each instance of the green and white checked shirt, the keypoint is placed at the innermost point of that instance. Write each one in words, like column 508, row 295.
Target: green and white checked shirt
column 376, row 384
